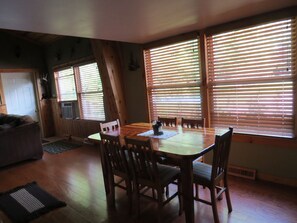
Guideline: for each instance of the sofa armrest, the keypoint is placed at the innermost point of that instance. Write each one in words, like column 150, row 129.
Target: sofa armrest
column 20, row 143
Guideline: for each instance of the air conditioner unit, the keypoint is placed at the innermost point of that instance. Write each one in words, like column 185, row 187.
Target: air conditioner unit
column 69, row 110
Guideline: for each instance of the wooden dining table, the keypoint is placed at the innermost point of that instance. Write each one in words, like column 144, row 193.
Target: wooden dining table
column 183, row 144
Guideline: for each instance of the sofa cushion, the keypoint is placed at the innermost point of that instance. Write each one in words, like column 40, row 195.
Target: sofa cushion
column 7, row 119
column 15, row 120
column 26, row 119
column 5, row 127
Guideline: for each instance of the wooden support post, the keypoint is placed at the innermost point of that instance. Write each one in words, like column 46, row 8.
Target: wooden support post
column 109, row 65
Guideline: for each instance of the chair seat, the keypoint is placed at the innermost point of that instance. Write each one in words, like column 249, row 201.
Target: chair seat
column 202, row 173
column 167, row 173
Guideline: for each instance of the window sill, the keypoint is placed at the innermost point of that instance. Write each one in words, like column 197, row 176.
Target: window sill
column 82, row 120
column 265, row 140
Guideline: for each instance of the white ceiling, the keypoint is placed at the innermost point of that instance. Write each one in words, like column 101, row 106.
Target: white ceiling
column 136, row 21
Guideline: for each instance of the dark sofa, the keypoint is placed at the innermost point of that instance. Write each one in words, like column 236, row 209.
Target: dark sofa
column 20, row 139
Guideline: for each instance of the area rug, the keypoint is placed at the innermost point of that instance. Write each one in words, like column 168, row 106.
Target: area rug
column 25, row 203
column 60, row 146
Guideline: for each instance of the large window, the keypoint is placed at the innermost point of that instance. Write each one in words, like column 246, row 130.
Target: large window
column 251, row 78
column 173, row 80
column 82, row 83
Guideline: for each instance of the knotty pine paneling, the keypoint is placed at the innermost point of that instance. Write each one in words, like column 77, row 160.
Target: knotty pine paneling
column 77, row 127
column 3, row 109
column 2, row 98
column 47, row 118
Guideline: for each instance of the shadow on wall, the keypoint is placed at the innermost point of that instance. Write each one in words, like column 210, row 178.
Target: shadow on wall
column 134, row 82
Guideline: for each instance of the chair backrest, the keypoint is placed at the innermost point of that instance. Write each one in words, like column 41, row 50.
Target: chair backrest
column 109, row 126
column 221, row 150
column 114, row 154
column 143, row 159
column 193, row 123
column 168, row 121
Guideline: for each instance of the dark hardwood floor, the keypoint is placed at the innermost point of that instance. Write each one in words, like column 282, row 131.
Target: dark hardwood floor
column 75, row 177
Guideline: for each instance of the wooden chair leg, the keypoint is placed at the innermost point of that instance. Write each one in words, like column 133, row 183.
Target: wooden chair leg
column 214, row 204
column 153, row 193
column 218, row 190
column 160, row 203
column 227, row 195
column 137, row 200
column 167, row 192
column 180, row 200
column 197, row 191
column 129, row 193
column 105, row 171
column 112, row 191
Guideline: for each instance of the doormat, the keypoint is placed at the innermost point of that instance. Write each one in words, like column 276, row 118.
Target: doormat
column 25, row 203
column 60, row 146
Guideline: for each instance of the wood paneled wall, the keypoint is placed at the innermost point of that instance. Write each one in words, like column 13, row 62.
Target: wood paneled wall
column 71, row 127
column 46, row 117
column 107, row 57
column 3, row 109
column 2, row 98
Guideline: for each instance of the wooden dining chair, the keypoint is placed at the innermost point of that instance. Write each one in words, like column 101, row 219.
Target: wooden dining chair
column 110, row 126
column 171, row 122
column 117, row 165
column 147, row 173
column 193, row 123
column 211, row 176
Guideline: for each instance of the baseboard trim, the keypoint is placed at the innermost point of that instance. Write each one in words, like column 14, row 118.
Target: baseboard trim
column 243, row 172
column 279, row 180
column 76, row 138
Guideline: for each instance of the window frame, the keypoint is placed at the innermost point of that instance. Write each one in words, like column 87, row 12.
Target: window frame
column 244, row 23
column 76, row 75
column 246, row 86
column 164, row 43
column 57, row 83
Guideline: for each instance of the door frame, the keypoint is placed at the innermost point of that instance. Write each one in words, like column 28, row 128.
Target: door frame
column 36, row 85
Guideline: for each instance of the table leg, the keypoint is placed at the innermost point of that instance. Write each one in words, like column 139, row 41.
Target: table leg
column 104, row 171
column 187, row 189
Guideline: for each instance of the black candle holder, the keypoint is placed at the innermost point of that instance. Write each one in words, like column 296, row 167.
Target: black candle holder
column 156, row 128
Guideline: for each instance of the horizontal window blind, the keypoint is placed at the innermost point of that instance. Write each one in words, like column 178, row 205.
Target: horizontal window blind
column 173, row 80
column 90, row 92
column 251, row 78
column 66, row 90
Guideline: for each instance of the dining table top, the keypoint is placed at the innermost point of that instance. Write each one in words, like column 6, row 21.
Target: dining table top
column 180, row 142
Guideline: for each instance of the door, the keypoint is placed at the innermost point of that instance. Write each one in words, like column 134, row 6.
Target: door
column 20, row 94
